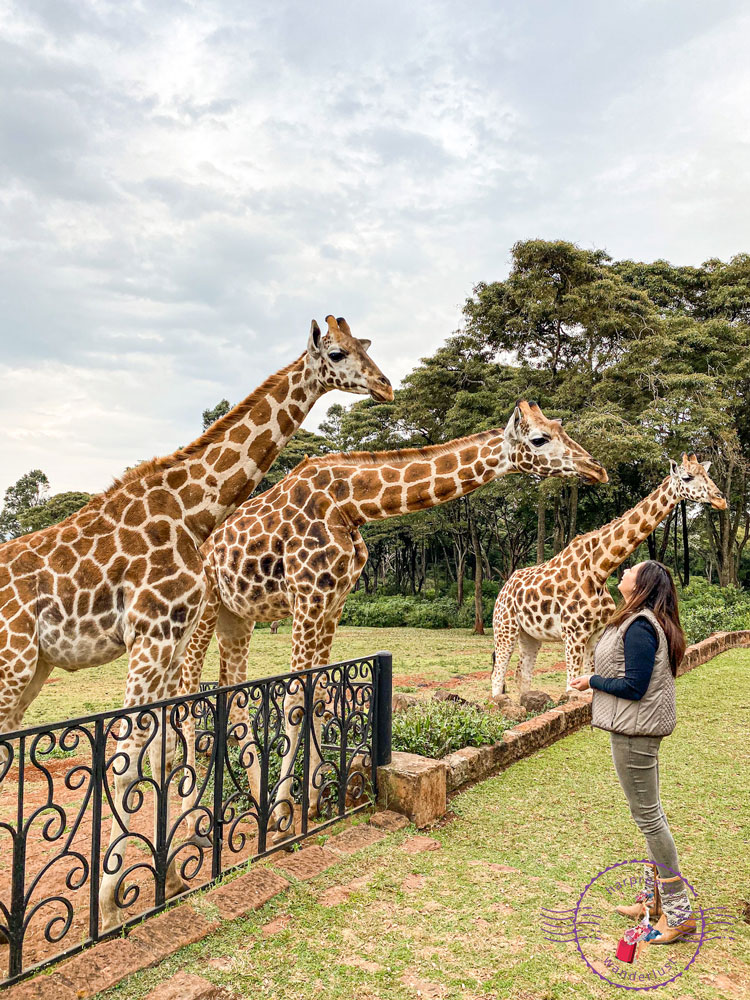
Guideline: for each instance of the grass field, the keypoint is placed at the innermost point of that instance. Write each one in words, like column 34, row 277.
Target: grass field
column 420, row 656
column 463, row 921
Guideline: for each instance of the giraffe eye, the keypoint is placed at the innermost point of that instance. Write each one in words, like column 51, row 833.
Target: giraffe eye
column 336, row 355
column 687, row 479
column 539, row 441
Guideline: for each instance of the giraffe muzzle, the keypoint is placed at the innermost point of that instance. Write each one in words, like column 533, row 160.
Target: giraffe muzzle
column 382, row 390
column 593, row 472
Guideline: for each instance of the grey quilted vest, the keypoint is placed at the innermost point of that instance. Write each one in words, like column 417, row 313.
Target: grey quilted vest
column 655, row 714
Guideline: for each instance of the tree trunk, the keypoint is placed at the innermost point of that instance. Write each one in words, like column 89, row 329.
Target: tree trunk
column 478, row 609
column 540, row 528
column 665, row 537
column 676, row 562
column 573, row 510
column 558, row 538
column 685, row 545
column 460, row 580
column 651, row 542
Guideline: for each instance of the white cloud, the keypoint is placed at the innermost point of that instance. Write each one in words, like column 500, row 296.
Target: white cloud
column 184, row 186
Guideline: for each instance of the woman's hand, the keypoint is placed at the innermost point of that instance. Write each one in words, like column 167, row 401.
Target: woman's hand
column 581, row 683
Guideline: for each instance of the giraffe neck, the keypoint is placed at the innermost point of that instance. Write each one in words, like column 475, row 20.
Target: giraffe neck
column 229, row 460
column 374, row 486
column 618, row 539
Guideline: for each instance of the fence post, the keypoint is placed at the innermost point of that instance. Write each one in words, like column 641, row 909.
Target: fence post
column 97, row 777
column 383, row 707
column 18, row 872
column 220, row 744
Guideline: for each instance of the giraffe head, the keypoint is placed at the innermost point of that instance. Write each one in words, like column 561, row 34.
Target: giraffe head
column 692, row 482
column 340, row 361
column 540, row 446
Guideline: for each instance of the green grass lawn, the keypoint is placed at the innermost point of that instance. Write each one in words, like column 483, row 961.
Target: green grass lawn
column 419, row 656
column 446, row 924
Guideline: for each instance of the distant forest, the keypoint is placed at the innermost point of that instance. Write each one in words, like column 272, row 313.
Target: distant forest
column 641, row 362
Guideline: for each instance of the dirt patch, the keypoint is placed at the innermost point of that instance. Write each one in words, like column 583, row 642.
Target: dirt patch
column 357, row 962
column 423, row 987
column 276, row 925
column 336, row 894
column 413, row 882
column 417, row 844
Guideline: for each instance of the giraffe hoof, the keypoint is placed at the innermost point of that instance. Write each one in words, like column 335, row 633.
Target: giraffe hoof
column 198, row 840
column 111, row 921
column 175, row 887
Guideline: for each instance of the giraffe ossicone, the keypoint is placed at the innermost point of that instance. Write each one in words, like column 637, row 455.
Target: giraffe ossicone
column 566, row 598
column 125, row 572
column 296, row 549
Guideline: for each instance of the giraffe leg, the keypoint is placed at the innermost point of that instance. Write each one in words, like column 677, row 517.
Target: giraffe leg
column 191, row 668
column 148, row 655
column 22, row 673
column 322, row 658
column 234, row 635
column 528, row 649
column 575, row 652
column 307, row 630
column 505, row 631
column 588, row 652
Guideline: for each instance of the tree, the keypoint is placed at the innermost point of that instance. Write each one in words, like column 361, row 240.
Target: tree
column 29, row 492
column 302, row 444
column 212, row 415
column 52, row 511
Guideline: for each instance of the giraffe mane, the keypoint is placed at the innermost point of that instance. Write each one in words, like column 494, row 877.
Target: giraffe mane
column 209, row 436
column 373, row 458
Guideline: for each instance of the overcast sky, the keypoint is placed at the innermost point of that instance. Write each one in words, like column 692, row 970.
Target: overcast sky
column 185, row 185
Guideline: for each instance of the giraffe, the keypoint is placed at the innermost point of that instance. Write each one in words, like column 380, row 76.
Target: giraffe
column 125, row 573
column 567, row 598
column 297, row 548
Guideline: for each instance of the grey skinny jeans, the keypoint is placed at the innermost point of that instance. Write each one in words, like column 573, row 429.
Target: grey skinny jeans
column 636, row 760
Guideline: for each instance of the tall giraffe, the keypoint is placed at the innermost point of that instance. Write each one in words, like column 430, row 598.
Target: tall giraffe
column 297, row 548
column 125, row 573
column 567, row 598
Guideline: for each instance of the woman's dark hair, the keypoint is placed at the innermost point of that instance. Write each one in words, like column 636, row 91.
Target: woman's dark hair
column 654, row 589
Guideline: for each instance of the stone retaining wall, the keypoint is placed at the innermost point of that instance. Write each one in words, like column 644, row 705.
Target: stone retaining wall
column 706, row 650
column 418, row 786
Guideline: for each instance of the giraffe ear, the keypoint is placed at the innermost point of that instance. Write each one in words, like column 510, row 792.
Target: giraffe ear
column 513, row 427
column 364, row 342
column 313, row 343
column 706, row 465
column 673, row 466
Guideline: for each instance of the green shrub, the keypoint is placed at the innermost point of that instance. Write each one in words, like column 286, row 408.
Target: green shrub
column 435, row 728
column 706, row 608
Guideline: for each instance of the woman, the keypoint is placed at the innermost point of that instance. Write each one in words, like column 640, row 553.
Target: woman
column 636, row 662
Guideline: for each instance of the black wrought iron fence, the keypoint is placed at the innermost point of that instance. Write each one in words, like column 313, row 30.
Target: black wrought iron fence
column 108, row 818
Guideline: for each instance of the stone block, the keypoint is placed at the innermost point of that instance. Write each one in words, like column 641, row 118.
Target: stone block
column 248, row 892
column 464, row 765
column 307, row 863
column 401, row 701
column 355, row 838
column 164, row 935
column 415, row 786
column 186, row 986
column 535, row 701
column 43, row 987
column 388, row 820
column 417, row 844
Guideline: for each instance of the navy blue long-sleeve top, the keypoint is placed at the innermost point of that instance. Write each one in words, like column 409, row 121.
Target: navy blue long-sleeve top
column 641, row 643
